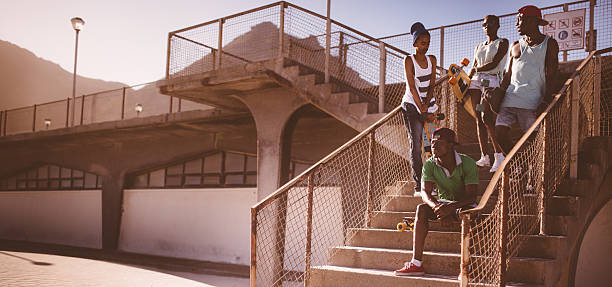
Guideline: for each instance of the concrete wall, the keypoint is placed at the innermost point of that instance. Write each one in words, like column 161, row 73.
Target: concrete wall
column 59, row 217
column 594, row 260
column 203, row 224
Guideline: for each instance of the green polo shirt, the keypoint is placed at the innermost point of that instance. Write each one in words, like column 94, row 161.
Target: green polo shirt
column 451, row 186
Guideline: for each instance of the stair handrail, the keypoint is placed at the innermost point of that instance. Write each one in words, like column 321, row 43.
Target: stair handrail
column 512, row 167
column 377, row 137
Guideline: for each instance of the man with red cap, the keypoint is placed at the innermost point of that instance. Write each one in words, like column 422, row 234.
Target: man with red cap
column 529, row 82
column 456, row 178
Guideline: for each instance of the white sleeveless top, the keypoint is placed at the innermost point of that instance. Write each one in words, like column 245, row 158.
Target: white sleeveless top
column 421, row 81
column 485, row 53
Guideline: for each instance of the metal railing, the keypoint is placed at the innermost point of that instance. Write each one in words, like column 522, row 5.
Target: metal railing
column 294, row 228
column 529, row 176
column 281, row 30
column 109, row 105
column 451, row 43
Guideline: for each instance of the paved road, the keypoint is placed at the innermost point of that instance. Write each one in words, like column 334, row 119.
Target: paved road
column 21, row 269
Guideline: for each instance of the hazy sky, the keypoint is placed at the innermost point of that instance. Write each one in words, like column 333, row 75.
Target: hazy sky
column 125, row 40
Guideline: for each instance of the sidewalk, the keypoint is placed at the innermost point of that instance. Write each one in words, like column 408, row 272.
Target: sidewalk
column 30, row 264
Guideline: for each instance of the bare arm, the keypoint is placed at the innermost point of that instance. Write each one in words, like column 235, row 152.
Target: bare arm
column 514, row 53
column 475, row 64
column 501, row 53
column 409, row 72
column 432, row 80
column 426, row 190
column 551, row 69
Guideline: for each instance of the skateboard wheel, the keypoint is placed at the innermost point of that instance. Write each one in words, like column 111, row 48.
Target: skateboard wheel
column 402, row 226
column 465, row 62
column 452, row 81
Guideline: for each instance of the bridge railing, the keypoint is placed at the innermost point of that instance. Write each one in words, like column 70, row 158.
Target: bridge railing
column 529, row 176
column 111, row 105
column 285, row 31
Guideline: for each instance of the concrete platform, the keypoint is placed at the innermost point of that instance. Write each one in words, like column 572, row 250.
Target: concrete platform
column 33, row 264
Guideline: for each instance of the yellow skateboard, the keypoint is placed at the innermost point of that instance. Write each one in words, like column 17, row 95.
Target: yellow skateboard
column 460, row 83
column 406, row 224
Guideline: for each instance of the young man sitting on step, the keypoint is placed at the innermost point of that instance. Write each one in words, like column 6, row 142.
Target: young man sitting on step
column 456, row 178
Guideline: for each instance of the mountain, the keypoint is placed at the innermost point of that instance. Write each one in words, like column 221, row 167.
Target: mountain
column 27, row 79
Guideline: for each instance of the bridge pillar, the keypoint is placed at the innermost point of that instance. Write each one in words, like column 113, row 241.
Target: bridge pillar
column 271, row 110
column 112, row 198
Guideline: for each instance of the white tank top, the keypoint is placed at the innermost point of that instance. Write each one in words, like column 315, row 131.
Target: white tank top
column 421, row 81
column 485, row 53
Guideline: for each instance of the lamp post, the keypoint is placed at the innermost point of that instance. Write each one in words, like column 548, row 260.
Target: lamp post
column 138, row 109
column 77, row 25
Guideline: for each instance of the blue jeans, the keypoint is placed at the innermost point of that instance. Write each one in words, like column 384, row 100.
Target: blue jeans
column 414, row 126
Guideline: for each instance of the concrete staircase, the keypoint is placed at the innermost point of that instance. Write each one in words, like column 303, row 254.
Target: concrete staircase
column 373, row 253
column 345, row 103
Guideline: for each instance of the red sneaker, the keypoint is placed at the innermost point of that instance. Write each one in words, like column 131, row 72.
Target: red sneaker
column 410, row 269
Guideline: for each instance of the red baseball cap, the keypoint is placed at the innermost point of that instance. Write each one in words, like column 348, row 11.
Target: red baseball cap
column 533, row 11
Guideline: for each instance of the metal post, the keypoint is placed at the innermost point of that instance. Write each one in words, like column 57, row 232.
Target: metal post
column 171, row 101
column 83, row 108
column 565, row 8
column 67, row 110
column 168, row 56
column 281, row 31
column 327, row 43
column 34, row 119
column 382, row 74
column 180, row 103
column 503, row 238
column 597, row 97
column 542, row 193
column 5, row 120
column 74, row 73
column 123, row 104
column 371, row 154
column 309, row 229
column 574, row 132
column 1, row 121
column 591, row 42
column 441, row 47
column 465, row 249
column 220, row 41
column 253, row 277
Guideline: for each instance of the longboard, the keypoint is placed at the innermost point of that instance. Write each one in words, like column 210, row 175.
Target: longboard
column 460, row 83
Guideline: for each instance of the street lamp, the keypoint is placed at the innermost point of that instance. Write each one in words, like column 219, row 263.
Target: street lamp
column 138, row 109
column 77, row 25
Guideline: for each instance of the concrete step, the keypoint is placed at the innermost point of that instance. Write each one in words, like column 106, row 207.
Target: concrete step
column 442, row 241
column 306, row 80
column 527, row 270
column 332, row 276
column 562, row 205
column 341, row 99
column 359, row 110
column 410, row 202
column 556, row 225
column 401, row 188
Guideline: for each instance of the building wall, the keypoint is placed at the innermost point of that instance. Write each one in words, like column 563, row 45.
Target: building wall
column 59, row 217
column 202, row 224
column 594, row 260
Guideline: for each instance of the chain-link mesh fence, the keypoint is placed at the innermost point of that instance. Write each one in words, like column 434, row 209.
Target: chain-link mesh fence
column 295, row 228
column 605, row 116
column 460, row 39
column 529, row 176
